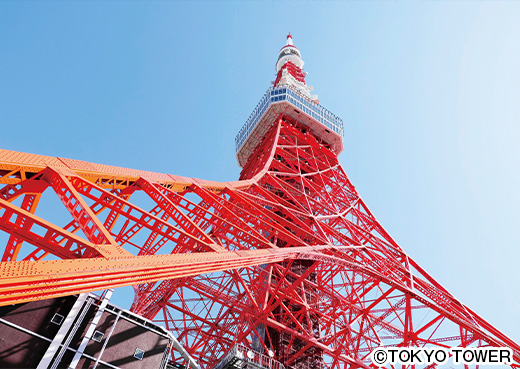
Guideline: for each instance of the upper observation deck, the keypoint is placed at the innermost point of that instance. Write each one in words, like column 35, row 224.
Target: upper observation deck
column 288, row 100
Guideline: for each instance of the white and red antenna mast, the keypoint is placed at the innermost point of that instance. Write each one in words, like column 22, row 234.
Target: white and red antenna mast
column 289, row 69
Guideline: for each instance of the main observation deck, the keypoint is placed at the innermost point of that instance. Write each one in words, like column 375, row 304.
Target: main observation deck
column 287, row 100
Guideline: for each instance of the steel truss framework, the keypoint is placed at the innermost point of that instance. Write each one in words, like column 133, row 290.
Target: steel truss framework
column 289, row 253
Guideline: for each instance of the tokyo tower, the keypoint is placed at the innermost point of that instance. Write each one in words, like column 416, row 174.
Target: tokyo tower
column 287, row 262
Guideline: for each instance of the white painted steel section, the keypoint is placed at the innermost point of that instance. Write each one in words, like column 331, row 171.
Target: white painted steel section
column 289, row 53
column 56, row 343
column 49, row 340
column 91, row 329
column 106, row 340
column 192, row 363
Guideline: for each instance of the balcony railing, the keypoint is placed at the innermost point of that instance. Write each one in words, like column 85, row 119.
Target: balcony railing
column 304, row 104
column 241, row 357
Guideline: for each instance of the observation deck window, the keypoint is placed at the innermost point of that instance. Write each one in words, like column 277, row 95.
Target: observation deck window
column 302, row 103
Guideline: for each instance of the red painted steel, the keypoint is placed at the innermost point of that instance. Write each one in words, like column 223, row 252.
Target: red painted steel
column 290, row 252
column 288, row 259
column 293, row 70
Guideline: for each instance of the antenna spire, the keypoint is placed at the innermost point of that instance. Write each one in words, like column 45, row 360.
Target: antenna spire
column 289, row 39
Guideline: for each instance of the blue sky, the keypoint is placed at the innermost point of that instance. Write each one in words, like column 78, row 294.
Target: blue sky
column 428, row 92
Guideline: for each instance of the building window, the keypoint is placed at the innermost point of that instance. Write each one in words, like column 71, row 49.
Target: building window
column 57, row 319
column 97, row 336
column 139, row 354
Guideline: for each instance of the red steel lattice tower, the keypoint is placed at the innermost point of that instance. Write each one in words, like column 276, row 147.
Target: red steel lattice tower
column 288, row 260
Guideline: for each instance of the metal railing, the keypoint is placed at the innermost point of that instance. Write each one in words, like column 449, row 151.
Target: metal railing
column 239, row 356
column 290, row 94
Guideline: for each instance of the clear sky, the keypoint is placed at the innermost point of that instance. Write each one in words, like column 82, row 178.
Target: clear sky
column 428, row 92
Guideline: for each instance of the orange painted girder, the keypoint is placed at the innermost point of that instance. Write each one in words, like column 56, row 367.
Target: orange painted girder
column 24, row 281
column 15, row 165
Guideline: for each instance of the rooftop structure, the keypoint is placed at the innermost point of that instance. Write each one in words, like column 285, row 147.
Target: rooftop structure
column 82, row 331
